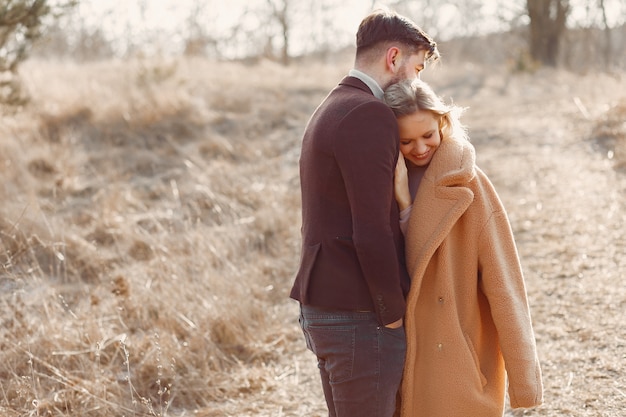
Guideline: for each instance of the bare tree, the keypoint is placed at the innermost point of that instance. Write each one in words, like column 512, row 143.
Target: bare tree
column 280, row 10
column 547, row 25
column 608, row 47
column 197, row 39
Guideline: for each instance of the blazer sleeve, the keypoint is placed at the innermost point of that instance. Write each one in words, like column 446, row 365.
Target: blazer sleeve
column 367, row 155
column 503, row 283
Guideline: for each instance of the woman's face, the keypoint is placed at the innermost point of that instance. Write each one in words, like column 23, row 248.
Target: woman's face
column 419, row 136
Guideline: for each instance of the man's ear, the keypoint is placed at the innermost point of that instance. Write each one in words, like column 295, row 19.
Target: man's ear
column 392, row 59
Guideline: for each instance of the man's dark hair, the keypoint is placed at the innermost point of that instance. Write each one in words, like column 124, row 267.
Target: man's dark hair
column 385, row 26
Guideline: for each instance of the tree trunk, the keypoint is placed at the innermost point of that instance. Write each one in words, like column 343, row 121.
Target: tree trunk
column 608, row 47
column 547, row 25
column 280, row 13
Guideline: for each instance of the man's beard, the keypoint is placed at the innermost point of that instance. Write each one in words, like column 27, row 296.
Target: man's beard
column 400, row 76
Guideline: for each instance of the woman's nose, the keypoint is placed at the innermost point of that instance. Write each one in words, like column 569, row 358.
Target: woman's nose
column 419, row 148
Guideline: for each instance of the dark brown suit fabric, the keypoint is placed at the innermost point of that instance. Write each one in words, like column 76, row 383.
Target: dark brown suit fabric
column 352, row 247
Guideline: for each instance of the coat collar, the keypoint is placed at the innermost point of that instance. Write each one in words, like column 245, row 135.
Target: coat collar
column 356, row 83
column 369, row 81
column 453, row 164
column 442, row 198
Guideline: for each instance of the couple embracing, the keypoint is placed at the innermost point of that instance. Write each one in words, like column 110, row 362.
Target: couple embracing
column 410, row 287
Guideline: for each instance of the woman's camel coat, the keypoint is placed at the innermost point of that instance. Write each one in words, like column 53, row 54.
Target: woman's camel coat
column 468, row 323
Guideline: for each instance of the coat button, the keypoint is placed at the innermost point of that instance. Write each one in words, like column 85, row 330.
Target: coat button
column 440, row 346
column 440, row 300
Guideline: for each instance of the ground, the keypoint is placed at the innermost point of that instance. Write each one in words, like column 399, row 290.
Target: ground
column 149, row 232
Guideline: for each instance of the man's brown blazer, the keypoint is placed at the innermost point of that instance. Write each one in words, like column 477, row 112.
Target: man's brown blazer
column 352, row 247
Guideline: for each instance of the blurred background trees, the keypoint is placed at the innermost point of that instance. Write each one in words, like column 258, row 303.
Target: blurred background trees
column 22, row 22
column 574, row 34
column 547, row 25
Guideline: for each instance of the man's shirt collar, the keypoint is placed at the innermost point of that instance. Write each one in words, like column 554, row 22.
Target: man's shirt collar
column 369, row 81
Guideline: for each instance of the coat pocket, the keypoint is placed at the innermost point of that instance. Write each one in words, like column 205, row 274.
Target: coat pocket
column 470, row 346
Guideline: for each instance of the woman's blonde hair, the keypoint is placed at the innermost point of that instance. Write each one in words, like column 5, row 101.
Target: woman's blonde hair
column 407, row 97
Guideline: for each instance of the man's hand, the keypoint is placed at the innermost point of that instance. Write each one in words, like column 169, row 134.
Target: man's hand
column 396, row 324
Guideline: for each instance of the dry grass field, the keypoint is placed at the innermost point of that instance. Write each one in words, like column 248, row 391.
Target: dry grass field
column 149, row 230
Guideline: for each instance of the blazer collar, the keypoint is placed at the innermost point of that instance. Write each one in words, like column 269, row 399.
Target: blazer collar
column 356, row 83
column 369, row 81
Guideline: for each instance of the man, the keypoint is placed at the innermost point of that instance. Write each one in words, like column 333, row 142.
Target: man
column 352, row 280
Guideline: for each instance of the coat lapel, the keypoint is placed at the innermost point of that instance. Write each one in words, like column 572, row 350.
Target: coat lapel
column 443, row 196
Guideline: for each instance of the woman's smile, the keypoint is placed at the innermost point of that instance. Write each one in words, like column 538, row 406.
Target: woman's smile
column 419, row 136
column 421, row 155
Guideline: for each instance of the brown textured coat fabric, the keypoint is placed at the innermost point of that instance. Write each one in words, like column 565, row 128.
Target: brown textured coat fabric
column 468, row 322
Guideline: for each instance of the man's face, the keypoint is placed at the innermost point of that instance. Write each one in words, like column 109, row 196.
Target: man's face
column 410, row 67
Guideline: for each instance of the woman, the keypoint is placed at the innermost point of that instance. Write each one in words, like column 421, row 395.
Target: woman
column 467, row 322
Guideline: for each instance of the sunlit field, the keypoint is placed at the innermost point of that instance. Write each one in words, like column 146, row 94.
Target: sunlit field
column 149, row 232
column 149, row 227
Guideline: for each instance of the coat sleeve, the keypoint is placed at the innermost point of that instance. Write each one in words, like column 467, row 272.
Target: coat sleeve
column 503, row 283
column 367, row 156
